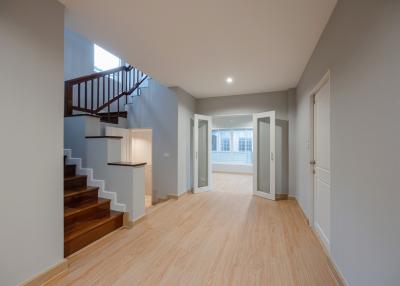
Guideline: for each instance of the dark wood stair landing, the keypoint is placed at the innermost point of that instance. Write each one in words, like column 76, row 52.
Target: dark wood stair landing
column 86, row 216
column 112, row 117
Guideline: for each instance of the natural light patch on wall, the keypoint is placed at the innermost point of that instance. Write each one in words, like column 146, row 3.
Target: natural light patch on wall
column 104, row 60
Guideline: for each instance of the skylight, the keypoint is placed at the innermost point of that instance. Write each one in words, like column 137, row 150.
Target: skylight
column 104, row 60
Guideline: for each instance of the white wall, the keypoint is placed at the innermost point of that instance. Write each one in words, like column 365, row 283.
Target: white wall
column 232, row 121
column 31, row 148
column 126, row 181
column 360, row 46
column 283, row 103
column 232, row 168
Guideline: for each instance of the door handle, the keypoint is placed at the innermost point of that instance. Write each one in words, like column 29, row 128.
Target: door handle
column 312, row 162
column 272, row 156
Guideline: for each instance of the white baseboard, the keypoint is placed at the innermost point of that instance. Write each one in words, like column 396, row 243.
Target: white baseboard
column 340, row 280
column 114, row 205
column 177, row 196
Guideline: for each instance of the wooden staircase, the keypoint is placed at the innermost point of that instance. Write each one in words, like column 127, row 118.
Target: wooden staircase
column 102, row 93
column 86, row 216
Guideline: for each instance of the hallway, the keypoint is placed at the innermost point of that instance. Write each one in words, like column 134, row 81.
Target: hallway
column 225, row 237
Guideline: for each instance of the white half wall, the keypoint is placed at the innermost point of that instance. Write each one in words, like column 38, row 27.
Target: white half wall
column 31, row 145
column 126, row 181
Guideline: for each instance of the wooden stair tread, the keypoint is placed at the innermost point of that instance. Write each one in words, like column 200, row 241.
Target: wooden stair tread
column 123, row 114
column 72, row 178
column 87, row 217
column 74, row 209
column 83, row 227
column 78, row 191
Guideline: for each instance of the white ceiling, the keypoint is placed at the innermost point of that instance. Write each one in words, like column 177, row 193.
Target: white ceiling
column 263, row 44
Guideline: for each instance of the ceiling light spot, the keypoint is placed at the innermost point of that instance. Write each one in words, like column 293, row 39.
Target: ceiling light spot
column 229, row 80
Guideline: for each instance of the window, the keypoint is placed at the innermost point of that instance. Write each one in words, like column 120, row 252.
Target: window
column 104, row 60
column 225, row 145
column 224, row 140
column 245, row 144
column 232, row 146
column 214, row 141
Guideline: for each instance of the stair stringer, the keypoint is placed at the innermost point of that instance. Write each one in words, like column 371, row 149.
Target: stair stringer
column 114, row 205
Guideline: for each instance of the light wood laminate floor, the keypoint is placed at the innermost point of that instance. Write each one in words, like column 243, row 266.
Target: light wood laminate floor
column 147, row 201
column 224, row 237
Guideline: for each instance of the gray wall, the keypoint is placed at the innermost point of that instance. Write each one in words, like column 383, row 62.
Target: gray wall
column 283, row 103
column 168, row 111
column 232, row 121
column 79, row 61
column 157, row 108
column 186, row 109
column 360, row 46
column 78, row 55
column 245, row 104
column 31, row 148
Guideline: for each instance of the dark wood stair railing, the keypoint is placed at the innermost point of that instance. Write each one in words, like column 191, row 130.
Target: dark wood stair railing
column 98, row 91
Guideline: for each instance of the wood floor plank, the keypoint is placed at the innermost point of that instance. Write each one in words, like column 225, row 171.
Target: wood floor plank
column 224, row 237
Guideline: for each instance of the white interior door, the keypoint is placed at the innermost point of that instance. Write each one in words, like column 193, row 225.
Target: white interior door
column 322, row 164
column 202, row 153
column 264, row 154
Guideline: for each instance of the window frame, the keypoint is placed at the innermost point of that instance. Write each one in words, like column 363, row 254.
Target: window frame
column 247, row 144
column 223, row 146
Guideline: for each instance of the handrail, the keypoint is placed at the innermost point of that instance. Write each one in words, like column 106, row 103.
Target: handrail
column 98, row 74
column 95, row 92
column 125, row 93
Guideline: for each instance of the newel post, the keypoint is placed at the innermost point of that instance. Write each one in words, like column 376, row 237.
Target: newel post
column 68, row 98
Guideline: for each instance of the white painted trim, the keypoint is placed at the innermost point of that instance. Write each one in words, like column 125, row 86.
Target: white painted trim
column 196, row 189
column 114, row 205
column 326, row 78
column 271, row 115
column 322, row 236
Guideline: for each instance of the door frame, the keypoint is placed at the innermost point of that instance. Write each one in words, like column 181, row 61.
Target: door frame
column 311, row 148
column 256, row 116
column 207, row 188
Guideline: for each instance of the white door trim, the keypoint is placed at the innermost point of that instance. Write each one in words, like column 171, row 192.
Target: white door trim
column 271, row 115
column 196, row 188
column 325, row 240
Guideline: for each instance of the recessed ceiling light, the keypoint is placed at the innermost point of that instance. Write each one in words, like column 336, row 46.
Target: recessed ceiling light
column 229, row 80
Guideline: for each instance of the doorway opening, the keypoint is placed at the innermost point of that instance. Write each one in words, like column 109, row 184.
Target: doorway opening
column 141, row 146
column 232, row 152
column 136, row 146
column 250, row 149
